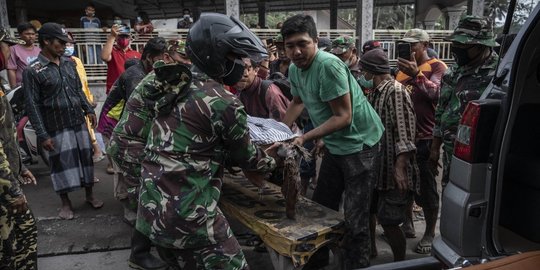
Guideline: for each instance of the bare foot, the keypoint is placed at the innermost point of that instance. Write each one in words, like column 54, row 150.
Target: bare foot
column 66, row 213
column 95, row 203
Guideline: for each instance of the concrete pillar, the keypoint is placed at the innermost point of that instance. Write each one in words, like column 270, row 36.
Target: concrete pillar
column 261, row 6
column 333, row 14
column 453, row 15
column 232, row 8
column 4, row 20
column 21, row 13
column 475, row 7
column 429, row 25
column 364, row 21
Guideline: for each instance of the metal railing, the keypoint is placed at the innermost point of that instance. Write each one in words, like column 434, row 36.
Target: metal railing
column 89, row 43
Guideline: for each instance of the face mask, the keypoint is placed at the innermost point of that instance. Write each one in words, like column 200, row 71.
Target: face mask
column 123, row 42
column 349, row 62
column 235, row 72
column 461, row 55
column 90, row 14
column 69, row 51
column 186, row 16
column 365, row 83
column 139, row 19
column 118, row 22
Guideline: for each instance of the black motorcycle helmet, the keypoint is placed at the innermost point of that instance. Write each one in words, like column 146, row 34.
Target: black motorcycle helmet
column 215, row 36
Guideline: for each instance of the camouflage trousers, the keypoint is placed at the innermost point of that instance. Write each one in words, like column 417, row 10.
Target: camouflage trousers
column 227, row 255
column 18, row 240
column 447, row 159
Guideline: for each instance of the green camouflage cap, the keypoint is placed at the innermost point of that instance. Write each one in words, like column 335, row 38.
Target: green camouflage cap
column 474, row 30
column 177, row 45
column 342, row 44
column 415, row 35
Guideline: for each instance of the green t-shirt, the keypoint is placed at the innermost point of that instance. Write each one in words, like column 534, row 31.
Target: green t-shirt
column 329, row 78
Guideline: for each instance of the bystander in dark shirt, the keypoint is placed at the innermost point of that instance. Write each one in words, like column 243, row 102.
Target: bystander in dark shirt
column 55, row 99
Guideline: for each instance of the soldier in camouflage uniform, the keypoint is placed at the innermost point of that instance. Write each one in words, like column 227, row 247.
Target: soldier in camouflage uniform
column 127, row 144
column 192, row 127
column 472, row 47
column 18, row 231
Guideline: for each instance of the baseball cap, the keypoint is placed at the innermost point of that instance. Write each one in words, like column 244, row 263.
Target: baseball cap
column 342, row 44
column 55, row 30
column 370, row 45
column 474, row 30
column 324, row 44
column 415, row 35
column 7, row 38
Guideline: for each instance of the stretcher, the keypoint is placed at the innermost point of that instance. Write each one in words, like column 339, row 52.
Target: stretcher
column 289, row 242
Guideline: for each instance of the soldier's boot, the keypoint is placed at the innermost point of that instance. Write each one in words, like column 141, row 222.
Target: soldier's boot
column 140, row 257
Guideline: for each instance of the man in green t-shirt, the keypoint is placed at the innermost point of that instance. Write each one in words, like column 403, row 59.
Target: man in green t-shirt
column 349, row 127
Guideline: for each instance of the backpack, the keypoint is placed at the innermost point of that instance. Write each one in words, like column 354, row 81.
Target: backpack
column 278, row 79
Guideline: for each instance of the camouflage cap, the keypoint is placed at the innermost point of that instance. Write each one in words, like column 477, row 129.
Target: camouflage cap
column 342, row 44
column 474, row 30
column 7, row 38
column 177, row 45
column 415, row 35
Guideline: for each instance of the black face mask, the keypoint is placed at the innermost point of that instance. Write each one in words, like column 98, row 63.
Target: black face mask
column 461, row 55
column 235, row 72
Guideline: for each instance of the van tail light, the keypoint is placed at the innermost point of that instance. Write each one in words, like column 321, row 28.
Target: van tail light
column 475, row 130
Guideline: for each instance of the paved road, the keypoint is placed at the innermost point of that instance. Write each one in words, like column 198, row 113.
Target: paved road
column 98, row 239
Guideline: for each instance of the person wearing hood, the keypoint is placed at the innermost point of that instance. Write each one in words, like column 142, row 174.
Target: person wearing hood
column 180, row 128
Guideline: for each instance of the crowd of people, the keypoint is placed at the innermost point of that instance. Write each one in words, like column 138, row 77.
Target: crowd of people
column 175, row 117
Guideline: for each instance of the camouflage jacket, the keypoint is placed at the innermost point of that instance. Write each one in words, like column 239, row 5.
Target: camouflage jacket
column 459, row 86
column 10, row 162
column 191, row 128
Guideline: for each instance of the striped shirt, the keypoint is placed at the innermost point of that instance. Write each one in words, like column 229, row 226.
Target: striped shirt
column 54, row 96
column 394, row 106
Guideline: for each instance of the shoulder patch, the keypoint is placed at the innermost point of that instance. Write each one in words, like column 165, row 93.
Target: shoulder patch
column 37, row 66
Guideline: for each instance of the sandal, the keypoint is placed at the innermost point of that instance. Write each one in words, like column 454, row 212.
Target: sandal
column 110, row 169
column 424, row 246
column 98, row 158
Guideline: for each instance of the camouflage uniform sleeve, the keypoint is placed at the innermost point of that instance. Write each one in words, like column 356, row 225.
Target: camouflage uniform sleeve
column 444, row 99
column 241, row 151
column 9, row 182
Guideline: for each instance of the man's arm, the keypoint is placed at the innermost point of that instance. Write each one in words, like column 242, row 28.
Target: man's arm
column 404, row 121
column 293, row 111
column 12, row 68
column 342, row 117
column 430, row 86
column 12, row 78
column 31, row 91
column 106, row 52
column 241, row 151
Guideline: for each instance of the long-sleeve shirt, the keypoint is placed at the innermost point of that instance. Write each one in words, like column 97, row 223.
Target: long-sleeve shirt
column 188, row 130
column 10, row 161
column 459, row 86
column 54, row 96
column 394, row 106
column 424, row 89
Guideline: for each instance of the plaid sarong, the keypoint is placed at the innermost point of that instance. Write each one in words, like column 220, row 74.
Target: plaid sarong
column 71, row 160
